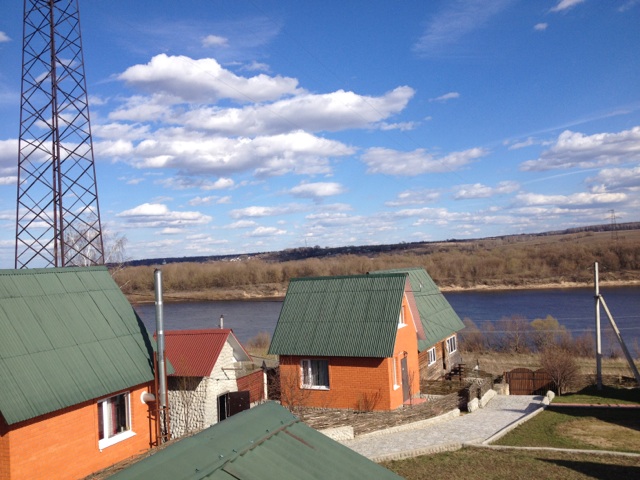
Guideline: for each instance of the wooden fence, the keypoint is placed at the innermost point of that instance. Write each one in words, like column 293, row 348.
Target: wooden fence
column 523, row 381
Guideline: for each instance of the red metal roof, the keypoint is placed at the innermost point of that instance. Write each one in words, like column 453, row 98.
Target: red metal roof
column 193, row 353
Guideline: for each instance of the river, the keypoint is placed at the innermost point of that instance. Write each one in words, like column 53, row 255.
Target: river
column 574, row 308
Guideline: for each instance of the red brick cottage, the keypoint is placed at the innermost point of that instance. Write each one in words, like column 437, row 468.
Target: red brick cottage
column 348, row 342
column 75, row 363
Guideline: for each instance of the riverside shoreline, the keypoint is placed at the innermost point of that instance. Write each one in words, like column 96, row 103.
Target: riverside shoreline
column 257, row 296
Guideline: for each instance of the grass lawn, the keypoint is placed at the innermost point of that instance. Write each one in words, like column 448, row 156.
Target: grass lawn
column 479, row 463
column 607, row 396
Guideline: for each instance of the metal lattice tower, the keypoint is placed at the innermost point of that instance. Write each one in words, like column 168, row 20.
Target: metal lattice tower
column 58, row 219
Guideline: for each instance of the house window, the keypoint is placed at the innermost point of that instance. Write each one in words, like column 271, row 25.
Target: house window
column 315, row 374
column 401, row 322
column 432, row 355
column 114, row 420
column 451, row 344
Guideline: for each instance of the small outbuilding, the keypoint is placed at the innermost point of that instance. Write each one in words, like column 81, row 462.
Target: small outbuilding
column 208, row 367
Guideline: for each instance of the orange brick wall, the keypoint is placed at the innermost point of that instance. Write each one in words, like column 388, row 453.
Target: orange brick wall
column 353, row 381
column 64, row 444
column 4, row 449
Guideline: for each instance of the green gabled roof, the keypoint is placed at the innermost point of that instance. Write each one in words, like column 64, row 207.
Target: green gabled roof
column 266, row 443
column 350, row 316
column 67, row 335
column 439, row 319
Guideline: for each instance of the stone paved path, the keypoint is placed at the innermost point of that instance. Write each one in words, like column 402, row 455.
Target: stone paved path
column 476, row 427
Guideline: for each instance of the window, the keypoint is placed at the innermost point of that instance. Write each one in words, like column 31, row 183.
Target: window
column 315, row 374
column 432, row 355
column 451, row 344
column 114, row 420
column 401, row 318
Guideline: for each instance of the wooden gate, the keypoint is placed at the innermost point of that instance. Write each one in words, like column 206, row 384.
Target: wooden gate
column 523, row 381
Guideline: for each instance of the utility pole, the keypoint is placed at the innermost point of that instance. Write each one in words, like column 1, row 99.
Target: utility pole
column 57, row 213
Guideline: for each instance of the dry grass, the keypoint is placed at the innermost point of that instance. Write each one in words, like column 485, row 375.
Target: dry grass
column 478, row 463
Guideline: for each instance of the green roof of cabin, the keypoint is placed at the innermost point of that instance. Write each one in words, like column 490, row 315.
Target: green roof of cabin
column 350, row 316
column 439, row 319
column 266, row 442
column 67, row 335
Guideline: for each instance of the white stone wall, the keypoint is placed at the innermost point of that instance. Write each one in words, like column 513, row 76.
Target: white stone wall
column 186, row 405
column 222, row 380
column 193, row 402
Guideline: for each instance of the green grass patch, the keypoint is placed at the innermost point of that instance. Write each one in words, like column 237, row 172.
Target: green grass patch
column 470, row 463
column 607, row 396
column 579, row 428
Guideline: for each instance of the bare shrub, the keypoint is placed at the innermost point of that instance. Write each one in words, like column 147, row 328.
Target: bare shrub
column 368, row 400
column 259, row 342
column 515, row 334
column 471, row 338
column 561, row 366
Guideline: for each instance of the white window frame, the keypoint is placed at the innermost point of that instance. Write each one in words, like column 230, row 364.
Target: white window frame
column 307, row 378
column 103, row 415
column 431, row 354
column 452, row 344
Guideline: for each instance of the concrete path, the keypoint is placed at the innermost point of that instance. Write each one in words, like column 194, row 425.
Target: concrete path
column 501, row 412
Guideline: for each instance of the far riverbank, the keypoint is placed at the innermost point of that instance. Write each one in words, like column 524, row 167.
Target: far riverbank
column 275, row 293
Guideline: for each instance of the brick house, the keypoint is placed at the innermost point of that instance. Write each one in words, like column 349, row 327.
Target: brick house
column 438, row 348
column 213, row 378
column 348, row 342
column 75, row 364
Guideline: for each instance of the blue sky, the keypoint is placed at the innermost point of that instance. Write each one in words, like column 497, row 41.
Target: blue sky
column 226, row 127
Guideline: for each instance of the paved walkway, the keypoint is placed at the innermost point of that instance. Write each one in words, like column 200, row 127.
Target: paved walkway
column 501, row 412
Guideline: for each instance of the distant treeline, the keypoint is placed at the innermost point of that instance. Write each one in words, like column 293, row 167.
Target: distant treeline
column 496, row 262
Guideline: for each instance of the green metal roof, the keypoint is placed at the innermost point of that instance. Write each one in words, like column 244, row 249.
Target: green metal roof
column 67, row 335
column 266, row 442
column 350, row 316
column 439, row 319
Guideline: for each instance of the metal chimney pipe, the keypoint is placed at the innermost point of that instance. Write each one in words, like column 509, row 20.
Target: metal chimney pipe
column 162, row 374
column 221, row 321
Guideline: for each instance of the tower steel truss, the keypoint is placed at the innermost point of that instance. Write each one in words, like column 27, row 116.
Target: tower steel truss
column 58, row 219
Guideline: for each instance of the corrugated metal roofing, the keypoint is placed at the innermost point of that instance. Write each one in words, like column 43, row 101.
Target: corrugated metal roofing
column 439, row 319
column 265, row 443
column 67, row 335
column 350, row 316
column 193, row 353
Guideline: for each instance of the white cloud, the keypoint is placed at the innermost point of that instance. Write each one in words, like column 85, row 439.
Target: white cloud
column 256, row 67
column 215, row 41
column 457, row 20
column 609, row 179
column 9, row 157
column 565, row 5
column 574, row 149
column 4, row 37
column 478, row 190
column 205, row 80
column 525, row 143
column 317, row 190
column 445, row 97
column 209, row 200
column 576, row 200
column 11, row 180
column 332, row 112
column 262, row 211
column 181, row 182
column 414, row 197
column 157, row 215
column 417, row 162
column 197, row 154
column 266, row 232
column 540, row 27
column 242, row 224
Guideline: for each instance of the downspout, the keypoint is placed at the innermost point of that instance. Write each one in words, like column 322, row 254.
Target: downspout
column 162, row 373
